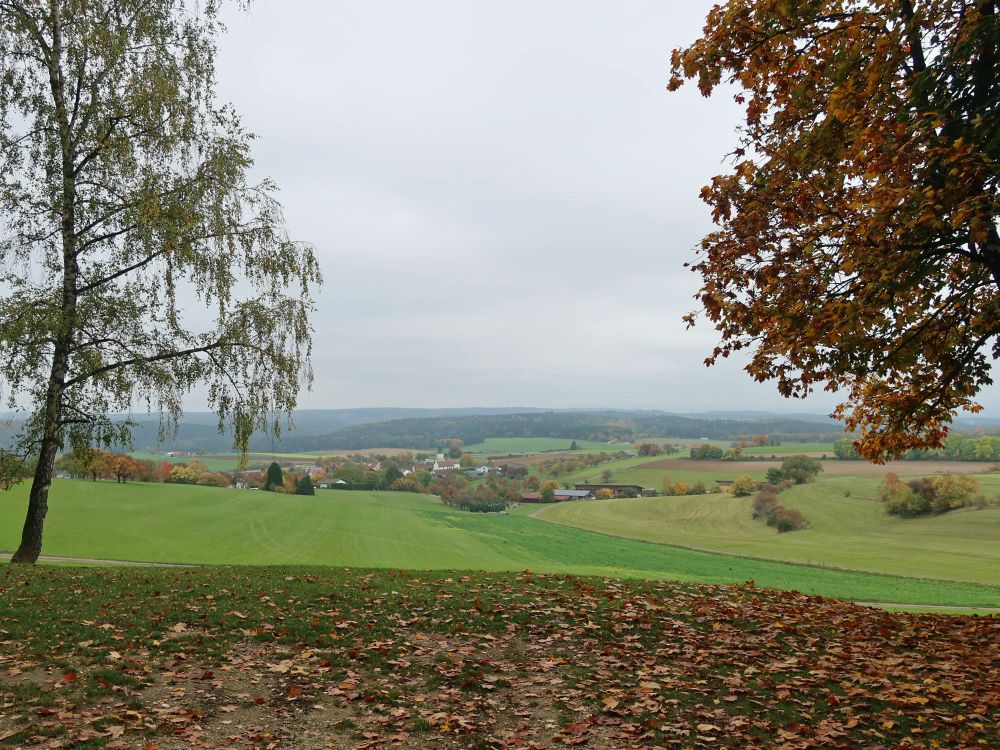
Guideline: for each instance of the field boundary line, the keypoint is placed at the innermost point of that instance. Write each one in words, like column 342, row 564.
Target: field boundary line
column 100, row 561
column 708, row 550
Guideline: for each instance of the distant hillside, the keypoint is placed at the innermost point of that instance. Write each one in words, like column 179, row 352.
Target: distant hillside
column 430, row 432
column 390, row 427
column 198, row 430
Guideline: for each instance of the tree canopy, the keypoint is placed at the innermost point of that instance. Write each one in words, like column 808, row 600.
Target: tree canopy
column 137, row 258
column 857, row 247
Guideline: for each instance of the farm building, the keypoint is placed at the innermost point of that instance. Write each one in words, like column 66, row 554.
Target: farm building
column 560, row 496
column 620, row 490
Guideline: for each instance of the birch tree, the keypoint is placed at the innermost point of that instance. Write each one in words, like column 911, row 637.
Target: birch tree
column 137, row 259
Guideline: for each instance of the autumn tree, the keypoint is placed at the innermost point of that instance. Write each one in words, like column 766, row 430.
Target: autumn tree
column 137, row 259
column 744, row 486
column 549, row 491
column 858, row 246
column 123, row 467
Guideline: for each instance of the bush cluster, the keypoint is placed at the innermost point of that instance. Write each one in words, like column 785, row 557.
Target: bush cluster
column 767, row 506
column 706, row 452
column 926, row 496
column 796, row 469
column 479, row 500
column 669, row 488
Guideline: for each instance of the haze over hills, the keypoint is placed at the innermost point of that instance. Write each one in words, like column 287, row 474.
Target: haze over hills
column 392, row 427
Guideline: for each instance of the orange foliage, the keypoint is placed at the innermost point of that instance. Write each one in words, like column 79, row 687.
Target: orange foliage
column 857, row 247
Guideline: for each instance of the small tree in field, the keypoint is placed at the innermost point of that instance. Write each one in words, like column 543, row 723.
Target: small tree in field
column 275, row 479
column 744, row 486
column 801, row 469
column 305, row 486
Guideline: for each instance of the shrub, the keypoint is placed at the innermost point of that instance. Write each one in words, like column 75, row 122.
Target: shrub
column 925, row 496
column 706, row 452
column 744, row 486
column 479, row 500
column 407, row 484
column 214, row 479
column 605, row 494
column 766, row 506
column 788, row 519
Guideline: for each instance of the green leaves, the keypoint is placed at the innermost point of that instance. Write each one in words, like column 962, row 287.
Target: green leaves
column 142, row 262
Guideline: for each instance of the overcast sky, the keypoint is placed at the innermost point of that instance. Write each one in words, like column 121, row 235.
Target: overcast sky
column 501, row 195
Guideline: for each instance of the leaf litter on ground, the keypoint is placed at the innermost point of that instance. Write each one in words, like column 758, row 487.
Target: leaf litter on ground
column 307, row 658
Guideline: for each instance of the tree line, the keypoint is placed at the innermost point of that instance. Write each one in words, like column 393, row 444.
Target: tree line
column 431, row 432
column 955, row 448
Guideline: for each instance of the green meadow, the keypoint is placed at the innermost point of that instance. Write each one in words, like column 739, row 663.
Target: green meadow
column 787, row 448
column 500, row 446
column 205, row 525
column 849, row 529
column 634, row 471
column 212, row 463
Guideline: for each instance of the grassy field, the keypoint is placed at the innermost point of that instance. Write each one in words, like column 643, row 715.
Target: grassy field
column 636, row 471
column 171, row 523
column 503, row 446
column 228, row 461
column 312, row 658
column 790, row 448
column 618, row 468
column 213, row 463
column 650, row 472
column 851, row 532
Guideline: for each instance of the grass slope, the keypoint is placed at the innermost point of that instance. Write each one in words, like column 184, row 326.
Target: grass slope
column 172, row 523
column 850, row 532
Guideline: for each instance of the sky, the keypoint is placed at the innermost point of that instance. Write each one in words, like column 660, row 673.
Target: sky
column 501, row 196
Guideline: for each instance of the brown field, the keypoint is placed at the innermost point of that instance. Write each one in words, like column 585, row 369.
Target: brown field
column 831, row 467
column 532, row 458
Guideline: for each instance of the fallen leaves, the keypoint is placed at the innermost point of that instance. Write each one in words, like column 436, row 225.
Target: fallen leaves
column 538, row 662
